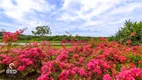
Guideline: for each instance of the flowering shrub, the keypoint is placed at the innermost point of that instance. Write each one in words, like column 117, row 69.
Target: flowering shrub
column 11, row 37
column 102, row 61
column 132, row 74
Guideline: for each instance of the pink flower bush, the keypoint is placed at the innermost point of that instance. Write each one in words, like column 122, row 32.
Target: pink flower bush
column 132, row 74
column 11, row 37
column 101, row 61
column 5, row 59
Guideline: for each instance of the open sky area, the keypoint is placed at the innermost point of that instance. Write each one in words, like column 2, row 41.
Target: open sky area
column 83, row 17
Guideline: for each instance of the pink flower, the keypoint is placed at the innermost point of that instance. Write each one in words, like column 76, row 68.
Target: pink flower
column 61, row 65
column 131, row 74
column 63, row 75
column 103, row 39
column 45, row 77
column 5, row 59
column 62, row 56
column 107, row 77
column 105, row 65
column 97, row 70
column 82, row 72
column 140, row 62
column 21, row 68
column 133, row 34
column 35, row 44
column 15, row 64
column 48, row 67
column 75, row 69
column 90, row 65
column 128, row 41
column 75, row 56
column 81, row 60
column 122, row 58
column 27, row 61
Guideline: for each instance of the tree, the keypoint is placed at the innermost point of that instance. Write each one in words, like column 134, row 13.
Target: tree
column 0, row 33
column 42, row 30
column 131, row 30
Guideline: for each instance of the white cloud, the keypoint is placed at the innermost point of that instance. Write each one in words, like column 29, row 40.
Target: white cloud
column 102, row 12
column 23, row 7
column 66, row 17
column 21, row 10
column 127, row 8
column 91, row 8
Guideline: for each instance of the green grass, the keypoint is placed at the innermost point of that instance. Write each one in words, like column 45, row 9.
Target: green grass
column 0, row 40
column 59, row 47
column 26, row 41
column 23, row 41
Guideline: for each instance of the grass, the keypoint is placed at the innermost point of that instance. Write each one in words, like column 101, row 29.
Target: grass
column 26, row 41
column 19, row 41
column 59, row 47
column 0, row 40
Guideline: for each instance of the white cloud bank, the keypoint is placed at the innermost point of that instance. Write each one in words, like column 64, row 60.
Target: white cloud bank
column 84, row 17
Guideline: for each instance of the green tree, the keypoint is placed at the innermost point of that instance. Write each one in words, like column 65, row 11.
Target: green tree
column 42, row 30
column 0, row 33
column 129, row 28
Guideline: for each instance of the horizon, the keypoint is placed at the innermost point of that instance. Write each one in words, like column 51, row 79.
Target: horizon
column 93, row 18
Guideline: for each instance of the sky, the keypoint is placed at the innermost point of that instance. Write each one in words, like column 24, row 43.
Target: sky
column 82, row 17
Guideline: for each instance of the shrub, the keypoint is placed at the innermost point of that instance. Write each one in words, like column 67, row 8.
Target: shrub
column 131, row 31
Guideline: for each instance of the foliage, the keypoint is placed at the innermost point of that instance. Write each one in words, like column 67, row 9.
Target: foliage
column 31, row 38
column 41, row 30
column 0, row 33
column 28, row 38
column 131, row 31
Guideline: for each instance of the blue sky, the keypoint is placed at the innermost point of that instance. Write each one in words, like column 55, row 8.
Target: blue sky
column 83, row 17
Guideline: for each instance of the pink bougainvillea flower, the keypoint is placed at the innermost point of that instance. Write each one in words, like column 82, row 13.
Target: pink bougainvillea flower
column 21, row 68
column 128, row 41
column 107, row 77
column 11, row 37
column 133, row 34
column 131, row 74
column 82, row 72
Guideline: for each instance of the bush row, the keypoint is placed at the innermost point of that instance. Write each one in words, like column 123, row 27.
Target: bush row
column 53, row 38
